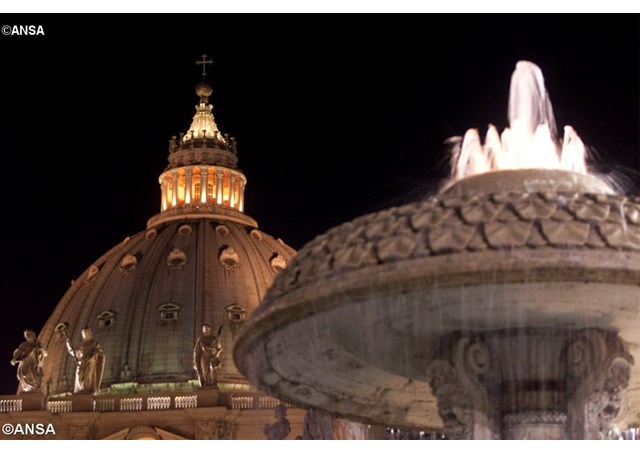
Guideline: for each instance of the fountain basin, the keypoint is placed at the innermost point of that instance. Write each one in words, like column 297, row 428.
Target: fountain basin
column 531, row 180
column 355, row 323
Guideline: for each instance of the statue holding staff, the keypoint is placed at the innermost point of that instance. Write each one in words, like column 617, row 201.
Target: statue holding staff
column 89, row 358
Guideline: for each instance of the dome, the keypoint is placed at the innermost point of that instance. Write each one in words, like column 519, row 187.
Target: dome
column 146, row 299
column 201, row 260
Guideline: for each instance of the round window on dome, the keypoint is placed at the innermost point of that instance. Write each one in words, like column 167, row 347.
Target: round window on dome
column 151, row 233
column 235, row 313
column 177, row 259
column 228, row 258
column 169, row 311
column 184, row 230
column 222, row 230
column 128, row 264
column 106, row 319
column 278, row 263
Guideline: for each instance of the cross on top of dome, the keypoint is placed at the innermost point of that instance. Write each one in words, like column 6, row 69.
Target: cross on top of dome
column 203, row 88
column 204, row 62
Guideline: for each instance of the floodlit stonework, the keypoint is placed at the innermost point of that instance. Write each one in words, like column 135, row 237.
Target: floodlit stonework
column 201, row 260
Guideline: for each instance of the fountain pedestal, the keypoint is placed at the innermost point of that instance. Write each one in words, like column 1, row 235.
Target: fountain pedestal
column 531, row 383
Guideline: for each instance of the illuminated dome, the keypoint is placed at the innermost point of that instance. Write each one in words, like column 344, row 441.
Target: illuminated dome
column 201, row 260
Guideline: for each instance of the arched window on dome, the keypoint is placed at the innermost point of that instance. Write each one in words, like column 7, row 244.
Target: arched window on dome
column 196, row 191
column 170, row 191
column 106, row 319
column 210, row 191
column 235, row 315
column 169, row 312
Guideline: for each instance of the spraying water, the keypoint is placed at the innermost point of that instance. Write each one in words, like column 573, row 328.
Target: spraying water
column 531, row 141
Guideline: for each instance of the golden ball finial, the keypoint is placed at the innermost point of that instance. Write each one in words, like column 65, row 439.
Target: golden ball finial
column 203, row 89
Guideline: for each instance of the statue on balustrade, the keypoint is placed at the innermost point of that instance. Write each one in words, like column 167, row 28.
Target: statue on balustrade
column 281, row 428
column 206, row 357
column 90, row 359
column 29, row 357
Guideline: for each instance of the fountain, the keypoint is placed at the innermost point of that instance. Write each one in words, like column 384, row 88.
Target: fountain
column 506, row 307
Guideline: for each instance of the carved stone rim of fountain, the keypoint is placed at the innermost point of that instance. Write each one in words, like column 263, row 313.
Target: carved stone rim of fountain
column 527, row 180
column 551, row 229
column 488, row 215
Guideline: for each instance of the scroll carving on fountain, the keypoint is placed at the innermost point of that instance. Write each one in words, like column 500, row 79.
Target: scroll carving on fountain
column 585, row 375
column 599, row 372
column 456, row 382
column 505, row 307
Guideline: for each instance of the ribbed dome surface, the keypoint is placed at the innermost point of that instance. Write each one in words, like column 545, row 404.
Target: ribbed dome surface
column 147, row 298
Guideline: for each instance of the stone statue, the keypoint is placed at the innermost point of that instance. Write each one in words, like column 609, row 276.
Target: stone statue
column 89, row 363
column 317, row 425
column 233, row 145
column 281, row 428
column 29, row 357
column 206, row 357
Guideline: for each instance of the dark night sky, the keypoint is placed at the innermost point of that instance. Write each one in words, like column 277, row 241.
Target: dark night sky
column 336, row 116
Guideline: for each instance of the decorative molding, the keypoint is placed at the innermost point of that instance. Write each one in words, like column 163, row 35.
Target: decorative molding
column 454, row 403
column 176, row 259
column 205, row 430
column 169, row 311
column 466, row 225
column 278, row 263
column 80, row 432
column 236, row 315
column 222, row 230
column 185, row 230
column 215, row 430
column 599, row 370
column 107, row 318
column 228, row 258
column 93, row 271
column 537, row 417
column 142, row 432
column 128, row 264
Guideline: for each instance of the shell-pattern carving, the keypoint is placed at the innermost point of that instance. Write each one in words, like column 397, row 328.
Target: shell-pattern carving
column 476, row 213
column 565, row 233
column 507, row 234
column 458, row 225
column 355, row 257
column 534, row 208
column 444, row 239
